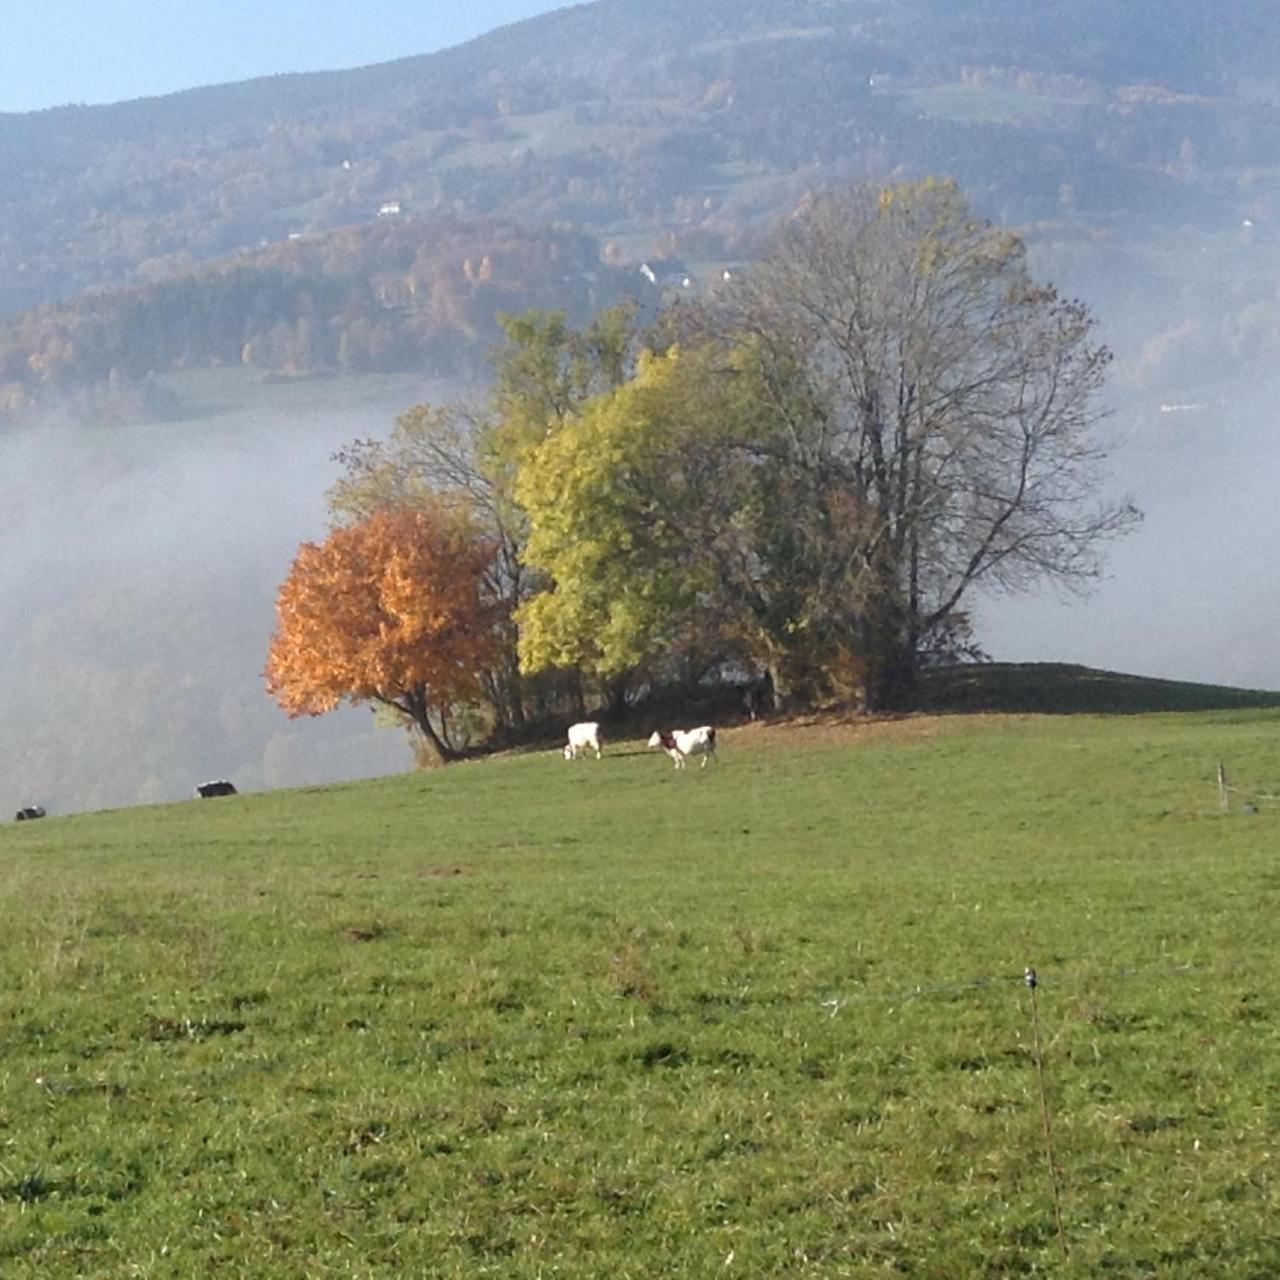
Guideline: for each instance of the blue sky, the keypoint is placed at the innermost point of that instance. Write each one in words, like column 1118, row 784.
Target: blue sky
column 108, row 50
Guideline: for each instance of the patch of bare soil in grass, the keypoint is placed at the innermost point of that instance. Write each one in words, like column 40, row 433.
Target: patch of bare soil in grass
column 850, row 728
column 834, row 728
column 371, row 934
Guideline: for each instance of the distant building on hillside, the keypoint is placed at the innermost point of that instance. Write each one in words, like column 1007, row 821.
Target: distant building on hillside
column 667, row 273
column 390, row 209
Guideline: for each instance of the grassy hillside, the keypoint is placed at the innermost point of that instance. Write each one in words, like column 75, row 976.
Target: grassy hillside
column 1061, row 688
column 526, row 1018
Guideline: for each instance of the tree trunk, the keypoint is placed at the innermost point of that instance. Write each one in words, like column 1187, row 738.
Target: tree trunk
column 442, row 748
column 890, row 681
column 791, row 677
column 418, row 710
column 616, row 697
column 515, row 697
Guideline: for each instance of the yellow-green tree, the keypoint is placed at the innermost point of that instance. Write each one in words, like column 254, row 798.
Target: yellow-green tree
column 465, row 458
column 634, row 511
column 884, row 413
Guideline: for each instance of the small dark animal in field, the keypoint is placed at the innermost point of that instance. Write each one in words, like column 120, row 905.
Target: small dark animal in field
column 27, row 812
column 207, row 790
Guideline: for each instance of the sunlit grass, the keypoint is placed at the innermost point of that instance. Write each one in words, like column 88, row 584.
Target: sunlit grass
column 530, row 1018
column 989, row 104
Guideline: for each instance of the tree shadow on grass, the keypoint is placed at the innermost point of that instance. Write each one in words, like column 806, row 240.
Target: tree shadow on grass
column 1066, row 689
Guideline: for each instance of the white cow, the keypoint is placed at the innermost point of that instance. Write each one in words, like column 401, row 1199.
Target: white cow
column 582, row 738
column 679, row 743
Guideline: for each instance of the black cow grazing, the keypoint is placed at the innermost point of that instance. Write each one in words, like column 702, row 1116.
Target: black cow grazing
column 27, row 812
column 207, row 790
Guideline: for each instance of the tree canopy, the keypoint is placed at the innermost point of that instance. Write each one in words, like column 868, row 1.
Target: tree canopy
column 465, row 457
column 886, row 411
column 807, row 474
column 602, row 496
column 389, row 610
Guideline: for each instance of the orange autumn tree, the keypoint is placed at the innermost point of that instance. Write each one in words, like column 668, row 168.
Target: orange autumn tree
column 388, row 611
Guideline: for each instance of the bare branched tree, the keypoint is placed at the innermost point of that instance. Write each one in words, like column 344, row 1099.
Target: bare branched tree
column 933, row 411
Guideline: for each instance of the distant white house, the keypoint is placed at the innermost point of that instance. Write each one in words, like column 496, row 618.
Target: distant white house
column 667, row 273
column 390, row 209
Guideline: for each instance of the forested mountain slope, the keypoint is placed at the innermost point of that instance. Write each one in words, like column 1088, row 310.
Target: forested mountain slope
column 673, row 128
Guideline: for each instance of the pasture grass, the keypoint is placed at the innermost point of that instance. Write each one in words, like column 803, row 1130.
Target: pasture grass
column 206, row 393
column 525, row 1018
column 990, row 104
column 1068, row 689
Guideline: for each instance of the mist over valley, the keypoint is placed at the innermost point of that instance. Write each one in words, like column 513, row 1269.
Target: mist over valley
column 205, row 296
column 141, row 567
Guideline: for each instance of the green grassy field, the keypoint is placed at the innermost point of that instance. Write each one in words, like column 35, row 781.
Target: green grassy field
column 525, row 1018
column 206, row 393
column 988, row 104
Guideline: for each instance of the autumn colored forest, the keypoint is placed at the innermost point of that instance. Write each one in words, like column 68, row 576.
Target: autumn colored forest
column 387, row 297
column 243, row 223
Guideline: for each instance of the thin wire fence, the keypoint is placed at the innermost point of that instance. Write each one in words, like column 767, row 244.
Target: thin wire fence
column 1226, row 789
column 1253, row 795
column 834, row 1004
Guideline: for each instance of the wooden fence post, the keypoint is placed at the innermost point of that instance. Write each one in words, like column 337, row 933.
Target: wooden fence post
column 1032, row 983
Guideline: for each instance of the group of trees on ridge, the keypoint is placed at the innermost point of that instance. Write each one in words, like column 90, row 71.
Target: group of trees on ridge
column 805, row 474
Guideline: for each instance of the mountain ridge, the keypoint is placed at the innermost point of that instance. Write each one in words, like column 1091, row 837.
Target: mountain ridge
column 660, row 128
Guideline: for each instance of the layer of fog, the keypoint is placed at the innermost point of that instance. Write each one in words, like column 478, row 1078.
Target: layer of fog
column 1191, row 594
column 140, row 565
column 137, row 587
